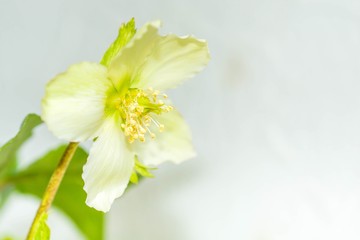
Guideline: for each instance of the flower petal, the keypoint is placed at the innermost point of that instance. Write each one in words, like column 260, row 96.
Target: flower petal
column 126, row 64
column 108, row 168
column 173, row 60
column 73, row 106
column 173, row 144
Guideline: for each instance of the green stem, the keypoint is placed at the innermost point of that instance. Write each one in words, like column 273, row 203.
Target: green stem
column 52, row 188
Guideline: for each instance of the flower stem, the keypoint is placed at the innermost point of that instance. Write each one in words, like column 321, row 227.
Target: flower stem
column 52, row 188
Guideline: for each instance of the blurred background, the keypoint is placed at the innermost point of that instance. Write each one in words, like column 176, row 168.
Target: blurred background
column 275, row 115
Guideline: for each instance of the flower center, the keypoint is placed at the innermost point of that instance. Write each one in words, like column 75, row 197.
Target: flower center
column 138, row 109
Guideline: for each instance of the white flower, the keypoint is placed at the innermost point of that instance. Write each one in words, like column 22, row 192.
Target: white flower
column 119, row 104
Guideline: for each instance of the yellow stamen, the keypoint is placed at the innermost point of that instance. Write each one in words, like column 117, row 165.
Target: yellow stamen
column 138, row 109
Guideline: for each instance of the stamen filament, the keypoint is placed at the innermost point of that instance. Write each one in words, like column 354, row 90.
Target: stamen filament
column 138, row 108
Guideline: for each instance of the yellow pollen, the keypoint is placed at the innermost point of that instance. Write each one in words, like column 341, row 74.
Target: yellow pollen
column 138, row 109
column 161, row 127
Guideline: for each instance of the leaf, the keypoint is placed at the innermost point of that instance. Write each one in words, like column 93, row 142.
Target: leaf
column 43, row 230
column 8, row 153
column 126, row 32
column 71, row 197
column 5, row 191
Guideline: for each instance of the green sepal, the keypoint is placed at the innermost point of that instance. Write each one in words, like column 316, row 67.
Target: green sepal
column 134, row 178
column 143, row 170
column 126, row 32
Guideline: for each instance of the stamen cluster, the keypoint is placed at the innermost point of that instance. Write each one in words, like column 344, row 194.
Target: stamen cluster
column 139, row 109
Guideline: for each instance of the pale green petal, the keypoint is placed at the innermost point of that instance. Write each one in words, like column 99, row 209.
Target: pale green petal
column 125, row 65
column 173, row 60
column 108, row 168
column 73, row 106
column 173, row 144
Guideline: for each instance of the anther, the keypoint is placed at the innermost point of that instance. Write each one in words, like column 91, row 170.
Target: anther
column 138, row 116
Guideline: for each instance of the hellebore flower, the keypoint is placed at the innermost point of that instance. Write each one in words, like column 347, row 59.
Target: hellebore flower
column 120, row 105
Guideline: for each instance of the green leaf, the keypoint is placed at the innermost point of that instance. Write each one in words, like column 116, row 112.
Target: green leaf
column 71, row 197
column 8, row 153
column 43, row 230
column 5, row 191
column 126, row 32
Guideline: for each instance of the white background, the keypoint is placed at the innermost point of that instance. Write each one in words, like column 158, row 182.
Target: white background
column 275, row 116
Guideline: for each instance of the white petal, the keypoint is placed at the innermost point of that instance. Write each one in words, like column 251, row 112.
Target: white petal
column 108, row 168
column 173, row 144
column 173, row 60
column 73, row 106
column 126, row 64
